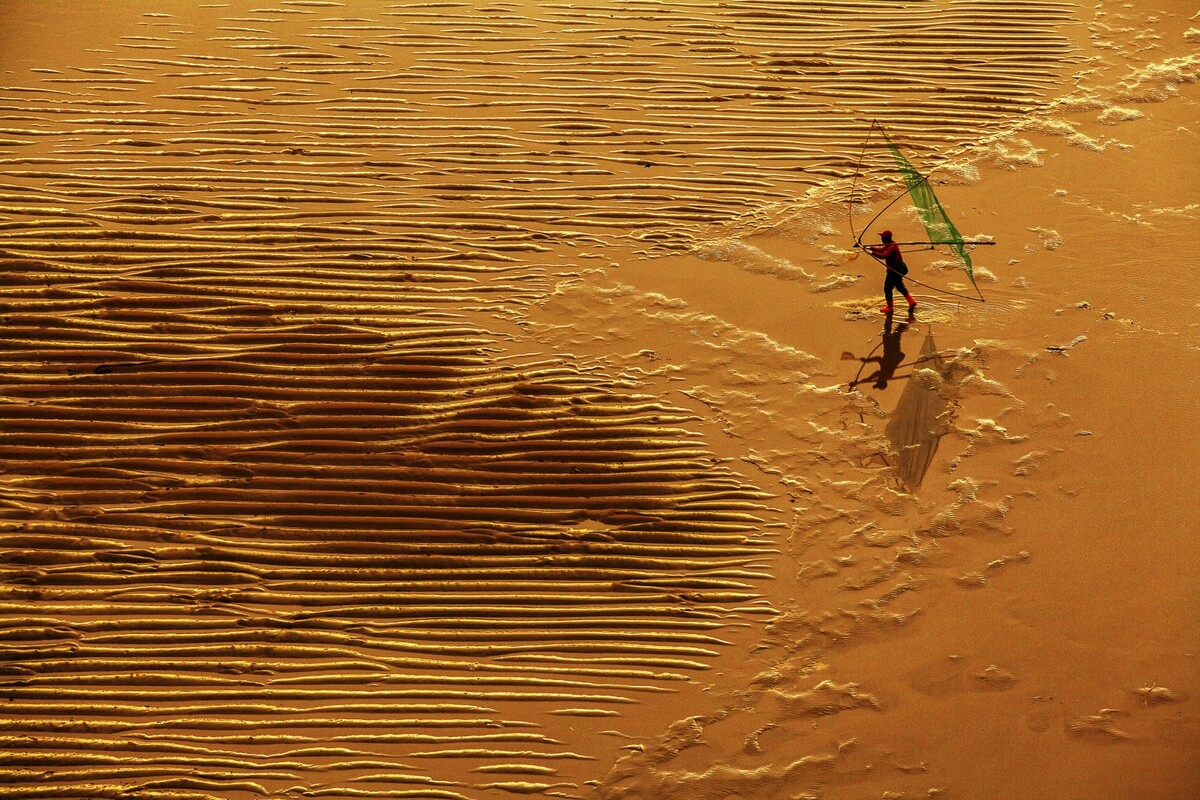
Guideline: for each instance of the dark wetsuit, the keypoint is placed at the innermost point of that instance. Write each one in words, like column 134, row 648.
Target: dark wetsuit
column 896, row 268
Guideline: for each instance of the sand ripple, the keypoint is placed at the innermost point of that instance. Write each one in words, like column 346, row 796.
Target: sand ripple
column 288, row 509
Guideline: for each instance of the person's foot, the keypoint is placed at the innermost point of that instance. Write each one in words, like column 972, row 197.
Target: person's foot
column 887, row 309
column 911, row 304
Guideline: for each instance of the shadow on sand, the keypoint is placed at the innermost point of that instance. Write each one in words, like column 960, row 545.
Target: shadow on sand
column 916, row 425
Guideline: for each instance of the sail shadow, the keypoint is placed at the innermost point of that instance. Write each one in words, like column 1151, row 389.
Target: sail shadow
column 916, row 425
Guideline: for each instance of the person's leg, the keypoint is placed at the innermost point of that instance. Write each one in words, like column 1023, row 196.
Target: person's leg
column 904, row 291
column 889, row 285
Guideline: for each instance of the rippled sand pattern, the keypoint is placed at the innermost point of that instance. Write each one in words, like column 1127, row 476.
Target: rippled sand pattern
column 289, row 506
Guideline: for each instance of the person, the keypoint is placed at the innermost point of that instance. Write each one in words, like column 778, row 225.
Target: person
column 889, row 253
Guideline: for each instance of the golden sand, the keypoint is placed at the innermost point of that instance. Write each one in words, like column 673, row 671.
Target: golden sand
column 466, row 400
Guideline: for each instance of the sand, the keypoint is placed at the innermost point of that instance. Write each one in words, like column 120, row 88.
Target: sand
column 468, row 400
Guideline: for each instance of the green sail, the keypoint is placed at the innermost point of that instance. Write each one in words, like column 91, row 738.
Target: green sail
column 937, row 224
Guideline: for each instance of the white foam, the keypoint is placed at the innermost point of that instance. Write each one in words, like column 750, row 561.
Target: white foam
column 1049, row 239
column 1014, row 153
column 750, row 258
column 1161, row 81
column 1114, row 115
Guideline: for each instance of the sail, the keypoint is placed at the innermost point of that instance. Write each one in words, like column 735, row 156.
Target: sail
column 937, row 224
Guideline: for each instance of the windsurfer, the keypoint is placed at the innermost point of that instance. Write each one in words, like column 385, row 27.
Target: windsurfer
column 889, row 253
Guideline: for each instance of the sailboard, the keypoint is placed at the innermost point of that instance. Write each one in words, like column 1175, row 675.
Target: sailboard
column 938, row 227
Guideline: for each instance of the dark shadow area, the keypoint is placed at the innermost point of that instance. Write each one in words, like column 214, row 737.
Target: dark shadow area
column 889, row 360
column 917, row 423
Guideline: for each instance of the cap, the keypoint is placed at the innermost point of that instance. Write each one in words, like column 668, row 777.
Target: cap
column 885, row 234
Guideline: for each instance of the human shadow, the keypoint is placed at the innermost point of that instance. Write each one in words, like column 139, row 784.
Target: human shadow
column 889, row 360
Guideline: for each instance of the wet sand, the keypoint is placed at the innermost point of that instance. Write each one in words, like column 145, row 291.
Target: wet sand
column 454, row 400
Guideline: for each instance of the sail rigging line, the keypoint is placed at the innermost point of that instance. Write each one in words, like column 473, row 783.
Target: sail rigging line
column 882, row 211
column 908, row 277
column 909, row 188
column 891, row 203
column 862, row 365
column 972, row 242
column 854, row 183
